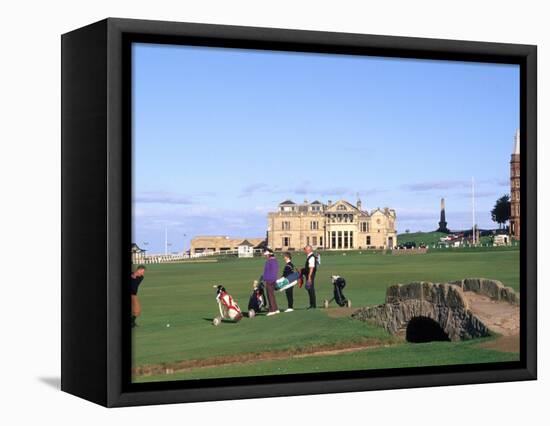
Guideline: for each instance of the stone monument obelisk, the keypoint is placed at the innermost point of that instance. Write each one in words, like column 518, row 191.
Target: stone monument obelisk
column 442, row 222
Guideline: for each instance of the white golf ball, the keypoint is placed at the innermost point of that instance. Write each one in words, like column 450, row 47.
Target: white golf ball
column 167, row 325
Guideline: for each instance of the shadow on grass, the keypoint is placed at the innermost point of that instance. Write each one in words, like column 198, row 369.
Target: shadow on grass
column 223, row 320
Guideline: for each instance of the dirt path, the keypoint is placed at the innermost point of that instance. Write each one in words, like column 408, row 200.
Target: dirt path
column 321, row 350
column 503, row 344
column 500, row 317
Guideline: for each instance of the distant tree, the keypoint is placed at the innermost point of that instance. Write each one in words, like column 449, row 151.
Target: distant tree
column 501, row 211
column 407, row 231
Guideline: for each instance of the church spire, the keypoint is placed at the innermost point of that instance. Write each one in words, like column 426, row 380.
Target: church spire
column 515, row 189
column 516, row 143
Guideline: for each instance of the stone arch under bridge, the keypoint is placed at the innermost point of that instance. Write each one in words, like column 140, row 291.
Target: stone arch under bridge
column 424, row 329
column 443, row 304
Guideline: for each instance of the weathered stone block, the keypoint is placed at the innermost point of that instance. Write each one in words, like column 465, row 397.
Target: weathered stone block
column 392, row 294
column 509, row 295
column 491, row 288
column 471, row 284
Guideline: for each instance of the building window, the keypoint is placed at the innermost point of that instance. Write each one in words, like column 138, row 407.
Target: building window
column 314, row 241
column 307, row 241
column 341, row 207
column 363, row 226
column 286, row 241
column 339, row 239
column 286, row 225
column 350, row 239
column 368, row 240
column 314, row 225
column 320, row 241
column 346, row 239
column 333, row 243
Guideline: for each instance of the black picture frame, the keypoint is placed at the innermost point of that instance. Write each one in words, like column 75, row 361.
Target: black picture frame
column 96, row 210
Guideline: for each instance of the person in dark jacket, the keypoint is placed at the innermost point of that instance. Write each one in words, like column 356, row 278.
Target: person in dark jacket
column 288, row 270
column 136, row 278
column 271, row 273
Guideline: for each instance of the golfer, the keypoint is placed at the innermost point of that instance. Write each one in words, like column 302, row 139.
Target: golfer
column 308, row 272
column 271, row 272
column 135, row 280
column 289, row 269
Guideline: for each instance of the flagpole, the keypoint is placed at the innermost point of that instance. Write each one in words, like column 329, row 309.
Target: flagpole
column 165, row 240
column 473, row 213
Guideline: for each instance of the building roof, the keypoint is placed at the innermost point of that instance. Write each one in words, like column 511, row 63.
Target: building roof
column 385, row 211
column 334, row 207
column 136, row 249
column 212, row 236
column 316, row 202
column 261, row 245
column 246, row 243
column 287, row 202
column 224, row 241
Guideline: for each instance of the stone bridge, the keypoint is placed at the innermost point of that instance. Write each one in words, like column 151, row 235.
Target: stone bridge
column 435, row 311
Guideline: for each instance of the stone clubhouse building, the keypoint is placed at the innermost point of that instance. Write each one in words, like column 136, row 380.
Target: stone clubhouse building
column 332, row 226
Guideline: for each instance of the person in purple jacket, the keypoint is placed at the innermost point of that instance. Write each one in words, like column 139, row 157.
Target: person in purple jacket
column 271, row 273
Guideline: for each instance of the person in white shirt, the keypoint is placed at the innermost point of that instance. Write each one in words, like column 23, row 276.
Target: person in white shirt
column 308, row 272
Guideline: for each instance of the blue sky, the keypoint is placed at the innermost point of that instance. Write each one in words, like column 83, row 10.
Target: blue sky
column 221, row 136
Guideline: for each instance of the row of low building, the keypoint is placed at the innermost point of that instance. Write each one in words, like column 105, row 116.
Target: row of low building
column 204, row 246
column 245, row 247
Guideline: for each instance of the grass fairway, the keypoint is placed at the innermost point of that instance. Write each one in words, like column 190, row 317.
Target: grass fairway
column 181, row 296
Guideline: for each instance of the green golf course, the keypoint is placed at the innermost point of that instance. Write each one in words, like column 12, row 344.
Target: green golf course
column 175, row 338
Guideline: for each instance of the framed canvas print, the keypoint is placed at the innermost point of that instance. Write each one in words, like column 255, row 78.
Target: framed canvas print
column 255, row 212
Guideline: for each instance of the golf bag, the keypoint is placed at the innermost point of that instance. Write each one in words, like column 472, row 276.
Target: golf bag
column 229, row 309
column 284, row 283
column 258, row 298
column 339, row 283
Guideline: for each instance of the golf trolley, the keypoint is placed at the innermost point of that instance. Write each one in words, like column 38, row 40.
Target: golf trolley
column 229, row 309
column 258, row 299
column 339, row 283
